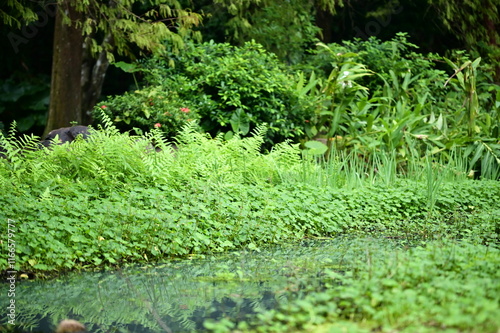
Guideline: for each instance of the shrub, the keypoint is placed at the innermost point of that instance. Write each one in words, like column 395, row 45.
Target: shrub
column 411, row 105
column 231, row 89
column 397, row 55
column 148, row 108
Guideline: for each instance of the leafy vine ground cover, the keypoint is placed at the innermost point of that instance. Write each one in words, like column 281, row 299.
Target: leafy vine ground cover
column 112, row 200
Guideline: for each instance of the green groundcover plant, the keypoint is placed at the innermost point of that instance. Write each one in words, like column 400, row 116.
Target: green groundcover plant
column 117, row 199
column 443, row 287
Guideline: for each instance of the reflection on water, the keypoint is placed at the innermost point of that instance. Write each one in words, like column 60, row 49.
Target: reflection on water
column 179, row 295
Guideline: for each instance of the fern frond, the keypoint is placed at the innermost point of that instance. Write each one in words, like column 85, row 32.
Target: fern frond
column 286, row 154
column 20, row 153
column 260, row 130
column 28, row 142
column 190, row 134
column 12, row 130
column 107, row 124
column 8, row 144
column 158, row 139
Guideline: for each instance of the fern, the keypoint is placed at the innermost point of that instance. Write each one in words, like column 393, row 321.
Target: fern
column 287, row 155
column 190, row 134
column 20, row 153
column 107, row 124
column 255, row 142
column 8, row 144
column 110, row 158
column 157, row 164
column 234, row 161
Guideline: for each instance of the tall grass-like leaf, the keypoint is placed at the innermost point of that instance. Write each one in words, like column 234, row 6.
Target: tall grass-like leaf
column 386, row 166
column 433, row 182
column 490, row 160
column 340, row 89
column 467, row 76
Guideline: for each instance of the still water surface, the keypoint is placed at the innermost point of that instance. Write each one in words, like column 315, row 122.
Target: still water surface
column 179, row 295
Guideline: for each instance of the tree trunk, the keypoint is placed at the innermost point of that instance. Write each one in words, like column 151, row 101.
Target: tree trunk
column 66, row 86
column 93, row 74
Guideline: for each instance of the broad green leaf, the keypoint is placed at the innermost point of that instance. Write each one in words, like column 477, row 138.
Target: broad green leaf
column 127, row 67
column 315, row 147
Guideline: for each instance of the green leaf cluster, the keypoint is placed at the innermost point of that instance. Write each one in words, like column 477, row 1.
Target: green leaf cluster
column 374, row 96
column 286, row 29
column 16, row 13
column 232, row 90
column 135, row 23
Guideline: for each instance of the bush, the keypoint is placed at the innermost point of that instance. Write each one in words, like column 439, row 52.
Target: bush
column 383, row 96
column 147, row 108
column 231, row 89
column 382, row 57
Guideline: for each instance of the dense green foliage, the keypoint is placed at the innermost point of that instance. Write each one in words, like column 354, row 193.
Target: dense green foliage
column 479, row 32
column 16, row 13
column 140, row 28
column 365, row 137
column 231, row 89
column 383, row 96
column 364, row 96
column 148, row 108
column 80, row 228
column 112, row 199
column 358, row 283
column 287, row 29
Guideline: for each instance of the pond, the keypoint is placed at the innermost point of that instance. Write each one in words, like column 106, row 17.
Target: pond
column 179, row 295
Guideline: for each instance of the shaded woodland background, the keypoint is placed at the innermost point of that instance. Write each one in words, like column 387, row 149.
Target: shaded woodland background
column 287, row 28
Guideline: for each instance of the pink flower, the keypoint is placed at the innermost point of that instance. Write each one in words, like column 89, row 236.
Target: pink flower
column 103, row 106
column 185, row 110
column 157, row 125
